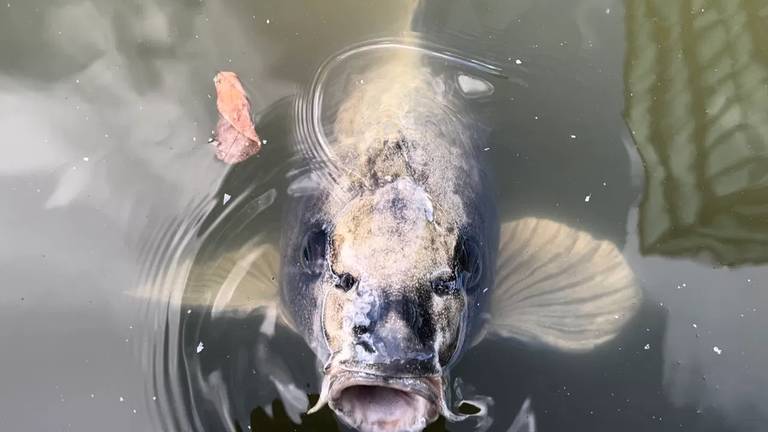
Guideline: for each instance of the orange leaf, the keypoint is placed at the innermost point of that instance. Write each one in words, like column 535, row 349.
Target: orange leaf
column 233, row 104
column 236, row 138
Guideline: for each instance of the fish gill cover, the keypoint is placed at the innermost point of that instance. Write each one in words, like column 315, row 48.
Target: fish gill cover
column 697, row 105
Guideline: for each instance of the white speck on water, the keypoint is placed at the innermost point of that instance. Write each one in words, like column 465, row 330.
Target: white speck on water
column 154, row 398
column 85, row 158
column 717, row 350
column 93, row 395
column 608, row 11
column 573, row 136
column 486, row 149
column 225, row 201
column 472, row 86
column 77, row 81
column 134, row 411
column 267, row 20
column 485, row 290
column 535, row 117
column 518, row 62
column 694, row 325
column 587, row 198
column 189, row 311
column 647, row 347
column 605, row 184
column 264, row 141
column 749, row 280
column 122, row 399
column 199, row 347
column 106, row 135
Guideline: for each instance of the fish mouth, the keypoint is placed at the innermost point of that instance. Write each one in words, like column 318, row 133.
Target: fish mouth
column 376, row 403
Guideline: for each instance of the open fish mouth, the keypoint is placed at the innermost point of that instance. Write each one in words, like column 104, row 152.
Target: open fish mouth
column 375, row 403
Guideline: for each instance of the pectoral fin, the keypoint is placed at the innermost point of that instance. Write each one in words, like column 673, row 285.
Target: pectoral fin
column 234, row 283
column 560, row 287
column 248, row 281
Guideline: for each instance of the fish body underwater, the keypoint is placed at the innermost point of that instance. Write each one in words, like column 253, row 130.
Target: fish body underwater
column 385, row 268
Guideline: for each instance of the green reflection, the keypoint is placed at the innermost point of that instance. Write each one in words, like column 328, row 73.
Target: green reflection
column 697, row 104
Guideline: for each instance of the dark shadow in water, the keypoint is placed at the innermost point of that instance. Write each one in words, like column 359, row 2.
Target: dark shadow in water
column 697, row 104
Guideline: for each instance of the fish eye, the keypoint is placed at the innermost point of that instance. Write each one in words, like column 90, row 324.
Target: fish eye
column 346, row 282
column 469, row 264
column 312, row 258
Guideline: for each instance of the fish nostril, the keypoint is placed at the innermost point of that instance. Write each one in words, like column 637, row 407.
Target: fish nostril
column 360, row 330
column 346, row 282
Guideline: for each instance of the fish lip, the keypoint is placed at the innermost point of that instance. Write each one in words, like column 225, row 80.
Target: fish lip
column 428, row 388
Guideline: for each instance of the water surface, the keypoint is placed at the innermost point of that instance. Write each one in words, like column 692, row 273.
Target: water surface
column 644, row 122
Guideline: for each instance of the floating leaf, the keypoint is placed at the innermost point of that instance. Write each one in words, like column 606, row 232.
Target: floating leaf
column 236, row 138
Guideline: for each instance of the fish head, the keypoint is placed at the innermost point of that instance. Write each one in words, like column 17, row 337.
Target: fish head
column 393, row 307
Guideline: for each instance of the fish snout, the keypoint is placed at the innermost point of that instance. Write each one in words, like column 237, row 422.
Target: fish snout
column 382, row 334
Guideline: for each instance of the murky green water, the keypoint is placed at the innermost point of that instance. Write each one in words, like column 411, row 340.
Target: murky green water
column 644, row 122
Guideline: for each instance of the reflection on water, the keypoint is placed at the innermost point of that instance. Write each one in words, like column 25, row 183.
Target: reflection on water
column 109, row 191
column 697, row 104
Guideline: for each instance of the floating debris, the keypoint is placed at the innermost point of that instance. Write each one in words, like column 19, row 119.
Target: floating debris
column 717, row 350
column 199, row 347
column 473, row 87
column 226, row 198
column 587, row 198
column 236, row 138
